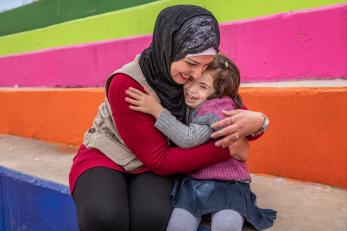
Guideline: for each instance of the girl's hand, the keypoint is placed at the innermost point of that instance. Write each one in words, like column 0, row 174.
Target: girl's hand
column 144, row 102
column 239, row 149
column 237, row 124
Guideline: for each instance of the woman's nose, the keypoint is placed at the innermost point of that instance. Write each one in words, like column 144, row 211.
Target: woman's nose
column 197, row 72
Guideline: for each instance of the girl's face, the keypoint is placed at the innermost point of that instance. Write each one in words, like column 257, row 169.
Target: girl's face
column 189, row 67
column 196, row 91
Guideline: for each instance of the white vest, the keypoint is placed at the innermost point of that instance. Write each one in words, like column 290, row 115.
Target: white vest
column 104, row 135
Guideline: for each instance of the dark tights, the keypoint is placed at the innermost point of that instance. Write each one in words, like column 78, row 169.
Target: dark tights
column 110, row 200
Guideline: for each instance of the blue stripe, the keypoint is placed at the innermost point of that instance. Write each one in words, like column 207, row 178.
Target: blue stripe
column 33, row 204
column 34, row 180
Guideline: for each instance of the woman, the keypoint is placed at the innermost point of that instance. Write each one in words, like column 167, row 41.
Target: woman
column 119, row 176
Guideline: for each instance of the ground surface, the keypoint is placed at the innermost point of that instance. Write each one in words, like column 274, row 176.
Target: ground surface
column 301, row 206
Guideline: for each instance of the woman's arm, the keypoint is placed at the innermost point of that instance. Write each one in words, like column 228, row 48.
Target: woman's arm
column 237, row 124
column 240, row 149
column 186, row 136
column 150, row 145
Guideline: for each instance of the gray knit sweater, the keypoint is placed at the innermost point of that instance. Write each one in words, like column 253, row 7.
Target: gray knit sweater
column 198, row 131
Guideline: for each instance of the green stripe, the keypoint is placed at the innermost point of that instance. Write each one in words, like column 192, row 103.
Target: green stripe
column 51, row 12
column 139, row 20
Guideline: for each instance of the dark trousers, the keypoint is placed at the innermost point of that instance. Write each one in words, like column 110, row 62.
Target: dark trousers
column 110, row 200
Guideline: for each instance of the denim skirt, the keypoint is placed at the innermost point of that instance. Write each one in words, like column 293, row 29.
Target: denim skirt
column 201, row 197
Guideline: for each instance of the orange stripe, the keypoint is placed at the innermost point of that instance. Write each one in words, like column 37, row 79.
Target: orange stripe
column 59, row 116
column 306, row 139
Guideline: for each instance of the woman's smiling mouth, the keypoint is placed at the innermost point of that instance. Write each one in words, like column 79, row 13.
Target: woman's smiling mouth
column 184, row 77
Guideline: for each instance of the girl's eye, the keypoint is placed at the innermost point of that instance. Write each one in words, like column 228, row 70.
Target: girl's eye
column 190, row 79
column 203, row 87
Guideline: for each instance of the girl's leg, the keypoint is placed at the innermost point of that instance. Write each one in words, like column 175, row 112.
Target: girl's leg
column 227, row 220
column 149, row 199
column 182, row 220
column 101, row 199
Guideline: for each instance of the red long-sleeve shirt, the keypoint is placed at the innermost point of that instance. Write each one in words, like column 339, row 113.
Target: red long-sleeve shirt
column 145, row 141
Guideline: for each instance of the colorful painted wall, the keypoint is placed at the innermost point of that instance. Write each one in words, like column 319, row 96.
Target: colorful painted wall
column 52, row 70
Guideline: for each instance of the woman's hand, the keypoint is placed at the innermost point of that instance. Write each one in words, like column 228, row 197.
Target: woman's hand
column 143, row 102
column 237, row 124
column 239, row 149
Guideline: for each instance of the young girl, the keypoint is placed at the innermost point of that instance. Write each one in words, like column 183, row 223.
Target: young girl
column 221, row 190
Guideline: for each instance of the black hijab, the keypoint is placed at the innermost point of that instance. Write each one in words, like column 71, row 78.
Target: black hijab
column 179, row 30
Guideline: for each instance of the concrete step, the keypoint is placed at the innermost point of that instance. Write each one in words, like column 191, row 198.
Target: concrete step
column 301, row 206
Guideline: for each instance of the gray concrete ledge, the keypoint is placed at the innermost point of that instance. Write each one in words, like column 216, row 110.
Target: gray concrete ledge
column 36, row 158
column 281, row 84
column 301, row 206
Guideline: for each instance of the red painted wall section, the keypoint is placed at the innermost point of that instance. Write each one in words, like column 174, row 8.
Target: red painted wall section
column 306, row 139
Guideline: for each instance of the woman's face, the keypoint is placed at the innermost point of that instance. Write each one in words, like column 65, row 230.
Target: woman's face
column 189, row 67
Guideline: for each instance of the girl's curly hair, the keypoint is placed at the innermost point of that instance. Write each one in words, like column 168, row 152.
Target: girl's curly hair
column 226, row 78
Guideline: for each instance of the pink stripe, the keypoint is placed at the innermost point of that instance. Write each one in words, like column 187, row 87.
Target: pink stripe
column 85, row 66
column 292, row 46
column 289, row 46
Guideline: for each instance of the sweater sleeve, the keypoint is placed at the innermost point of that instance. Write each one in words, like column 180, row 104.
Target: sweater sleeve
column 149, row 144
column 185, row 136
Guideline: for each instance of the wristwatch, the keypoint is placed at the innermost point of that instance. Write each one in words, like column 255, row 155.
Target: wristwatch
column 263, row 127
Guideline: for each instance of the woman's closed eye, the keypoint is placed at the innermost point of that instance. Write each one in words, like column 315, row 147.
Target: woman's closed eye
column 191, row 64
